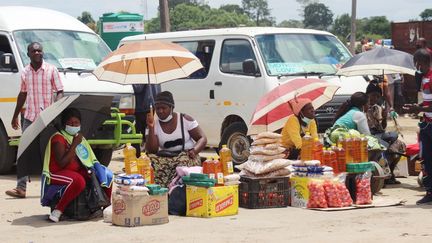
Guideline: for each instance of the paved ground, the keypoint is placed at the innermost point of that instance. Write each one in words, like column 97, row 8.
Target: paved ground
column 24, row 220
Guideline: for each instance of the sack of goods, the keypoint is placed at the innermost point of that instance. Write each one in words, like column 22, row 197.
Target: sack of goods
column 134, row 204
column 266, row 157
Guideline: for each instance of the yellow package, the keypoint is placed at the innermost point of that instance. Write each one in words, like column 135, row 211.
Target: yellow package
column 211, row 202
column 299, row 191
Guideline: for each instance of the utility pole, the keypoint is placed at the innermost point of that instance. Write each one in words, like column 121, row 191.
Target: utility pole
column 353, row 26
column 164, row 16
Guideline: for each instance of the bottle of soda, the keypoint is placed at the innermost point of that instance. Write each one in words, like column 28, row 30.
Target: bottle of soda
column 307, row 147
column 226, row 160
column 129, row 153
column 318, row 150
column 341, row 158
column 364, row 149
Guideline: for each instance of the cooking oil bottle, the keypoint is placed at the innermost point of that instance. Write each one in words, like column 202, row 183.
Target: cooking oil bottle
column 208, row 168
column 318, row 150
column 364, row 149
column 218, row 172
column 226, row 160
column 347, row 146
column 145, row 168
column 307, row 147
column 333, row 160
column 341, row 158
column 130, row 163
column 356, row 150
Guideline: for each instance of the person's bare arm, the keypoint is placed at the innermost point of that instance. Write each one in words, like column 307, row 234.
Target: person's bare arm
column 22, row 96
column 152, row 142
column 199, row 137
column 59, row 95
column 65, row 156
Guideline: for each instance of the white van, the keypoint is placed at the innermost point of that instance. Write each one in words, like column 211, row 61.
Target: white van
column 243, row 64
column 67, row 43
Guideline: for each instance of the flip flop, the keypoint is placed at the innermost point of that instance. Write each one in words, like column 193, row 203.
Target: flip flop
column 16, row 193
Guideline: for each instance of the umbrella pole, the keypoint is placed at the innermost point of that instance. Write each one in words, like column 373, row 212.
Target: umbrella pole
column 151, row 91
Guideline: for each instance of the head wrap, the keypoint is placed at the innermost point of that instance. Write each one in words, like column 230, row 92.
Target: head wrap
column 298, row 104
column 165, row 97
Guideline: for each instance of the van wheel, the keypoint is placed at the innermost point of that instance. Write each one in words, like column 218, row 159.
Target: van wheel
column 7, row 153
column 103, row 155
column 234, row 136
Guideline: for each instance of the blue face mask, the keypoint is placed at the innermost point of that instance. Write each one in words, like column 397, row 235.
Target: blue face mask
column 72, row 130
column 306, row 120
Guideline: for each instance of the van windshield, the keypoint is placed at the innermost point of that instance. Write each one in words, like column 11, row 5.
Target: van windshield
column 292, row 54
column 67, row 50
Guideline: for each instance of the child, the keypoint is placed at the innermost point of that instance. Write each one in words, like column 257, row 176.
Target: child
column 422, row 60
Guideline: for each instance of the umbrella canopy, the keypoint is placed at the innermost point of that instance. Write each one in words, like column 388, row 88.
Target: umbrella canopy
column 149, row 61
column 379, row 61
column 273, row 109
column 95, row 109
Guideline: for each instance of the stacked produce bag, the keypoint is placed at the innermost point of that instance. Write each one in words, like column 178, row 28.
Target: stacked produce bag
column 266, row 157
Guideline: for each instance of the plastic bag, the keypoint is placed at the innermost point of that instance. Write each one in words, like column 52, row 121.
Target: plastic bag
column 266, row 151
column 263, row 168
column 363, row 189
column 265, row 158
column 337, row 195
column 262, row 141
column 317, row 198
column 281, row 172
column 268, row 135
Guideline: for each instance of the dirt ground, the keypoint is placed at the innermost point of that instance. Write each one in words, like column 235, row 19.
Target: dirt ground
column 24, row 220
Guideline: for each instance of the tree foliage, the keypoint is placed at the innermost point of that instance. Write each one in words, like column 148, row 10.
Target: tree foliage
column 342, row 26
column 378, row 25
column 426, row 15
column 258, row 11
column 317, row 16
column 291, row 23
column 232, row 8
column 88, row 20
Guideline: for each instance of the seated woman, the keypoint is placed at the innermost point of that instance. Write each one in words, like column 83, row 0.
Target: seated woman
column 351, row 115
column 172, row 139
column 68, row 157
column 302, row 121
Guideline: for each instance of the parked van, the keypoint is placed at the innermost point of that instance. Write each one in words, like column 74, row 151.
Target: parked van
column 243, row 64
column 67, row 43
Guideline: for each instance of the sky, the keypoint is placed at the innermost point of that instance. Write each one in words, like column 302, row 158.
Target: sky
column 395, row 10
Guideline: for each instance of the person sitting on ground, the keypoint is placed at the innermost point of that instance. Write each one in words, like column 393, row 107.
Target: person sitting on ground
column 302, row 121
column 377, row 121
column 351, row 114
column 172, row 139
column 68, row 157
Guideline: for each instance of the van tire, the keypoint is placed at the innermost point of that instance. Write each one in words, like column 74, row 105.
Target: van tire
column 104, row 156
column 234, row 136
column 7, row 153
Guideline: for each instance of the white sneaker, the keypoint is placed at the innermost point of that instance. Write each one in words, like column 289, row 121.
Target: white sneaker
column 55, row 215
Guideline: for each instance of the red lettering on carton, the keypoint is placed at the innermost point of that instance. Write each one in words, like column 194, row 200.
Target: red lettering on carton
column 119, row 206
column 151, row 207
column 222, row 205
column 196, row 204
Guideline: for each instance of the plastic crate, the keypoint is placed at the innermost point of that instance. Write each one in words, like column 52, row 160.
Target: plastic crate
column 360, row 167
column 269, row 192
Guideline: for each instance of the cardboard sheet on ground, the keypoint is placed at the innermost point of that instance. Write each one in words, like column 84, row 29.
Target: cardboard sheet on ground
column 377, row 202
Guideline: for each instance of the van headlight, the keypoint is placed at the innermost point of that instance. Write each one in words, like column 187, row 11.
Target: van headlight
column 127, row 104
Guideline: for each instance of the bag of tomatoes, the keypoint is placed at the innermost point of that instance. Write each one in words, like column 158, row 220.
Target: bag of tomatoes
column 363, row 189
column 317, row 198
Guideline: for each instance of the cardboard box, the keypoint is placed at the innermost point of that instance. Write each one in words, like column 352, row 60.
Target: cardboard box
column 139, row 210
column 299, row 191
column 211, row 202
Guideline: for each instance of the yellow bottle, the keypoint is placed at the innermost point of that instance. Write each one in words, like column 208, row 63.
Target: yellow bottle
column 364, row 149
column 347, row 145
column 129, row 153
column 226, row 160
column 306, row 152
column 145, row 168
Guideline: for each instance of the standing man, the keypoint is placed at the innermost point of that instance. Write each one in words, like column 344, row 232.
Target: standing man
column 422, row 60
column 422, row 43
column 144, row 94
column 39, row 82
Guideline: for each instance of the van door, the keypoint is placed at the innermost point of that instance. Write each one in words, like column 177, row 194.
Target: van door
column 237, row 91
column 10, row 83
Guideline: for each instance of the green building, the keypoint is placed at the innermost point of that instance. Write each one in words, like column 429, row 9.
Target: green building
column 115, row 26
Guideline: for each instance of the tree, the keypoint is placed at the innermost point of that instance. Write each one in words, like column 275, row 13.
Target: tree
column 185, row 17
column 426, row 15
column 303, row 4
column 173, row 3
column 317, row 16
column 232, row 8
column 342, row 26
column 88, row 20
column 258, row 11
column 292, row 23
column 378, row 25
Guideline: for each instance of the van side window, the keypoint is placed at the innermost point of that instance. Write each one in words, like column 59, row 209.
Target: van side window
column 4, row 48
column 203, row 49
column 234, row 53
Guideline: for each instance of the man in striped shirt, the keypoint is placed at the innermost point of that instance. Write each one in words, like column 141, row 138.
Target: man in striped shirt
column 422, row 60
column 39, row 82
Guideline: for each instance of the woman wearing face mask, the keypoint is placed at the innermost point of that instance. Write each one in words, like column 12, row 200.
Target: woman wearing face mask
column 172, row 139
column 351, row 115
column 302, row 121
column 70, row 157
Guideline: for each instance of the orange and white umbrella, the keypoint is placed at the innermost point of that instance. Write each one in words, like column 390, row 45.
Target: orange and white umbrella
column 149, row 61
column 273, row 109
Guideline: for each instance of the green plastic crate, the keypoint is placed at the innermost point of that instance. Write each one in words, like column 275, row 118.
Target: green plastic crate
column 360, row 167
